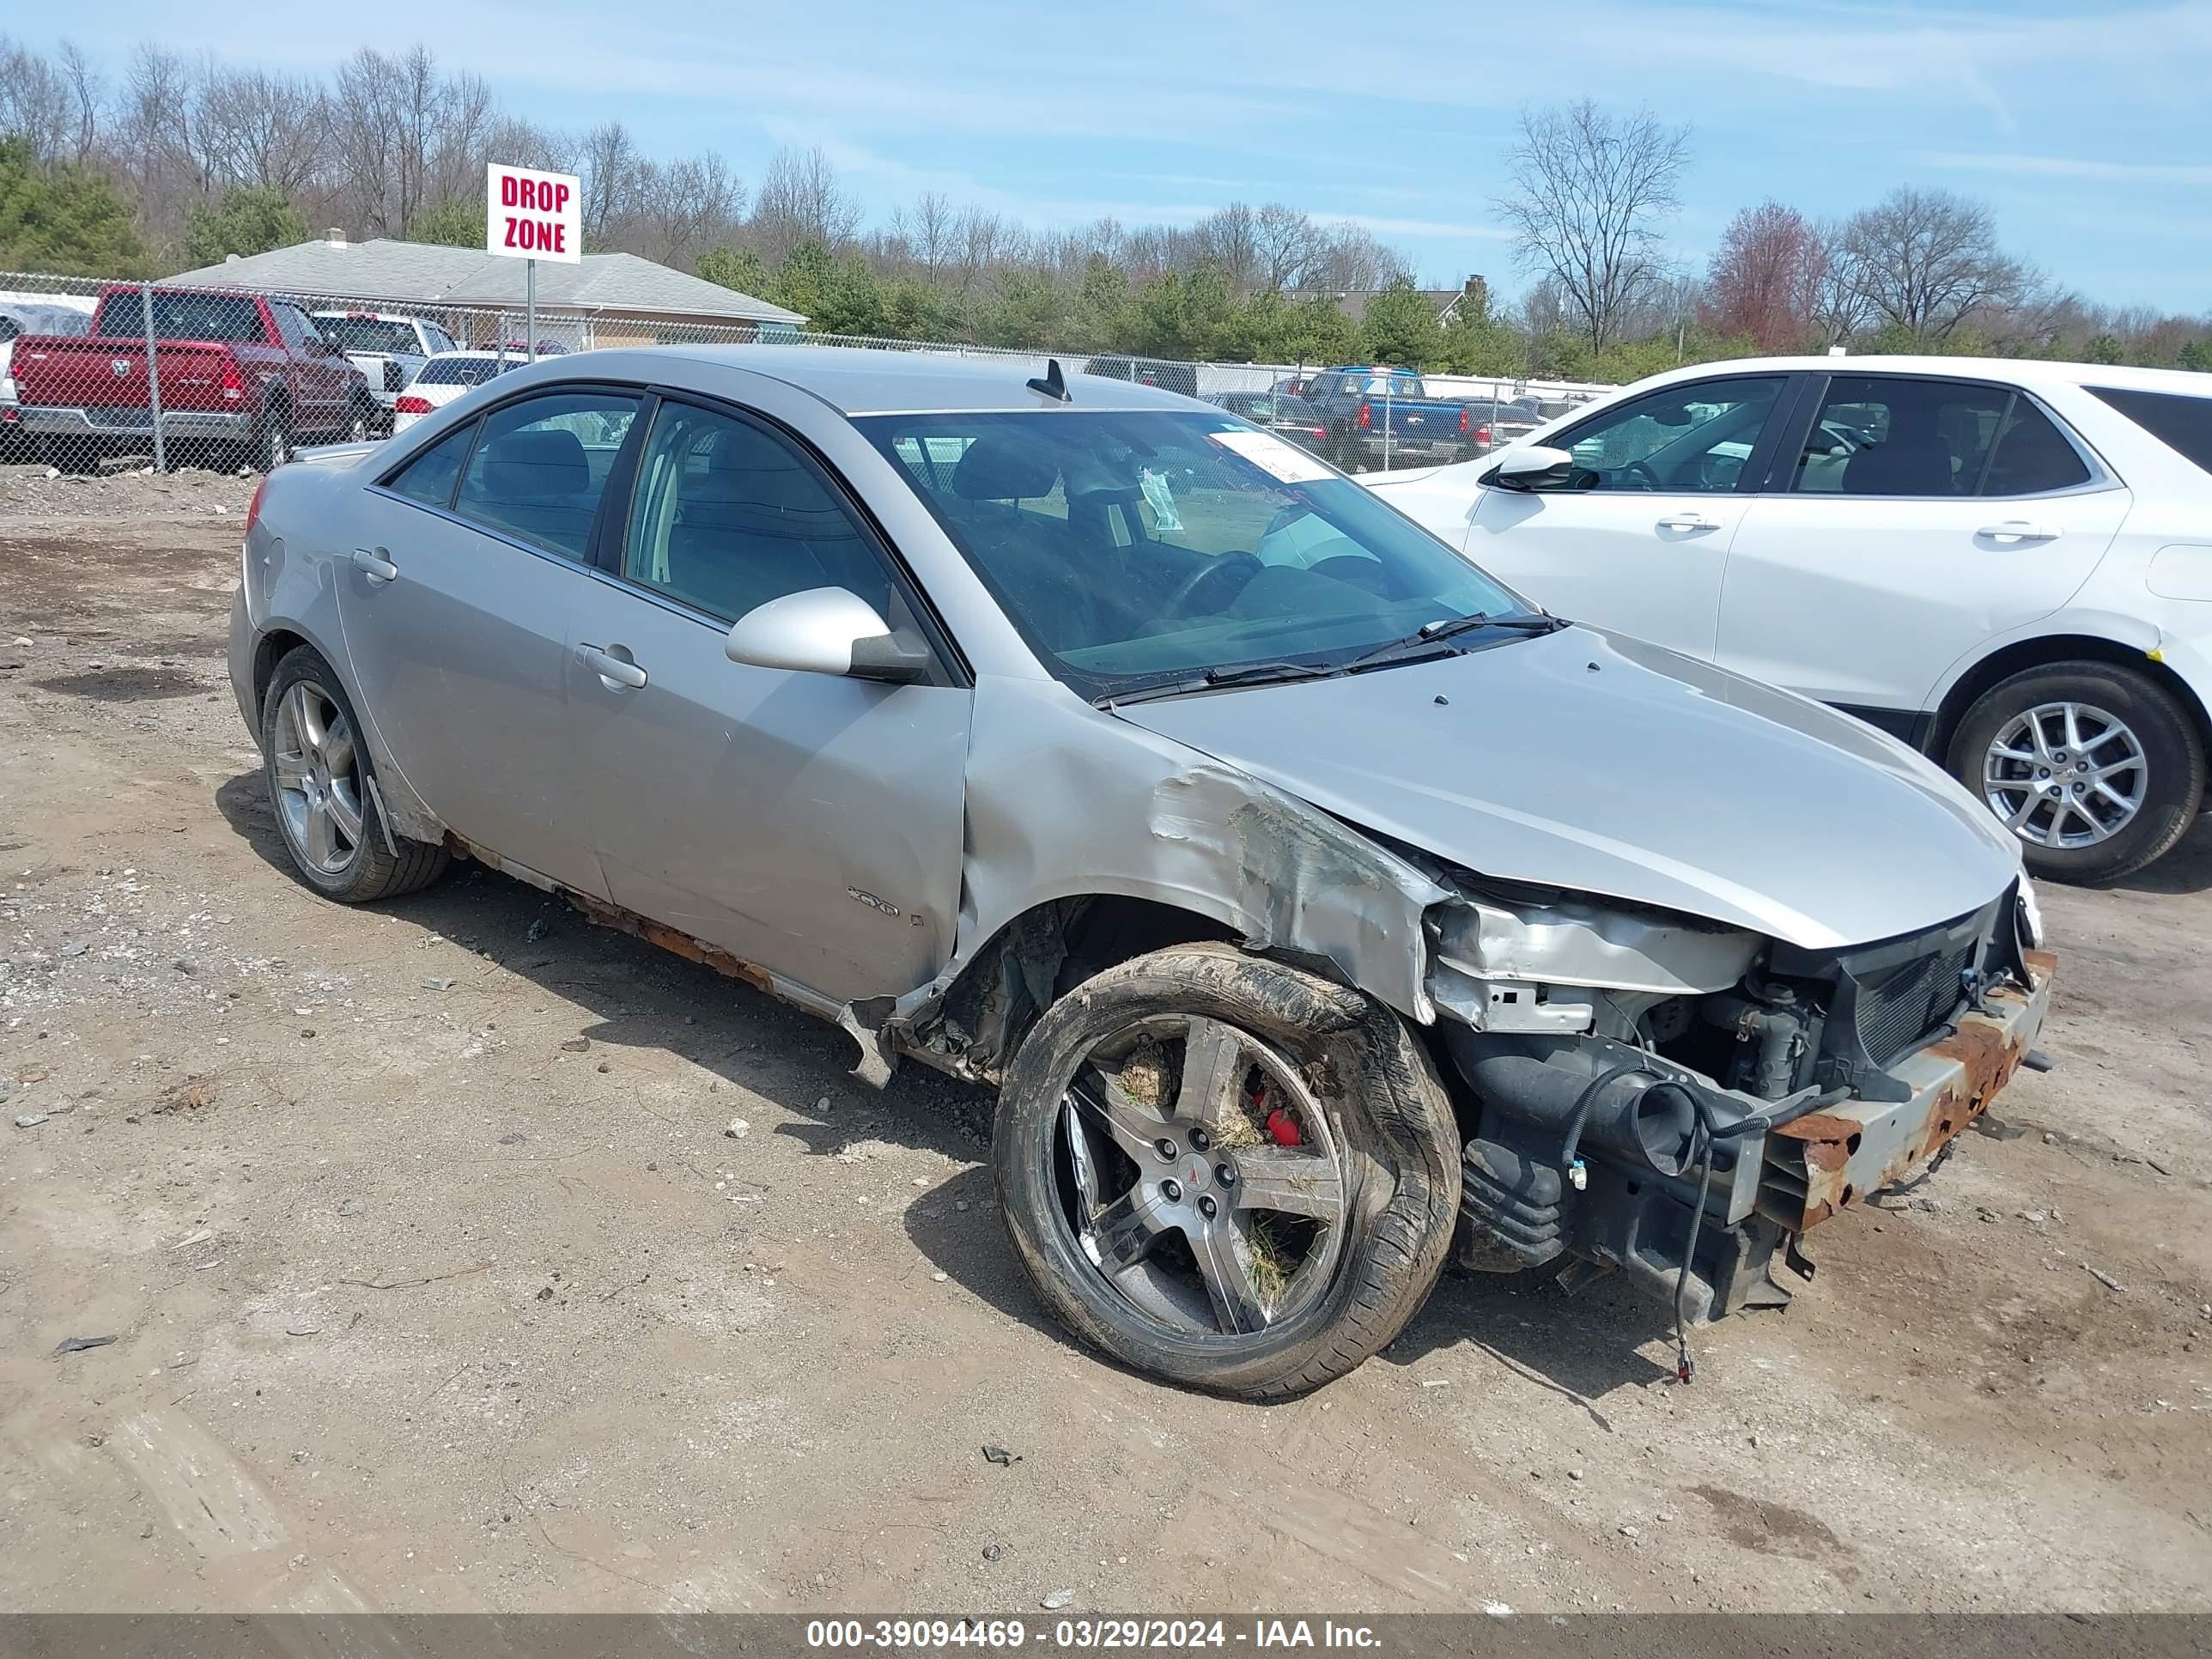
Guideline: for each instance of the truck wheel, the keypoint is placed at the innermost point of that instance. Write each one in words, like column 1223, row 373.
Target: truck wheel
column 317, row 770
column 1226, row 1172
column 2096, row 767
column 276, row 437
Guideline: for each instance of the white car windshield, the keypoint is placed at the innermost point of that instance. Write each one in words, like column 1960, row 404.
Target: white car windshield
column 1133, row 548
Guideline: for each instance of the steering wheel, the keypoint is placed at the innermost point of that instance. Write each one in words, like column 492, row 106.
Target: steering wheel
column 1212, row 570
column 1642, row 475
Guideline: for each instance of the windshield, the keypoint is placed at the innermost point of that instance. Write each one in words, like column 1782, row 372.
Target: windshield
column 1135, row 548
column 367, row 334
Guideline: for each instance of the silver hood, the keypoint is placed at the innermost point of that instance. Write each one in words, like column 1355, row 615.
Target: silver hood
column 1589, row 761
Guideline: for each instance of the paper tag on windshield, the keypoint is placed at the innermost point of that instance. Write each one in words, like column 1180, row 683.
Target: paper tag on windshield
column 1273, row 456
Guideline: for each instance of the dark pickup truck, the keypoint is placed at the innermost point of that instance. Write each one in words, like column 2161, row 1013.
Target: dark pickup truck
column 1385, row 417
column 240, row 376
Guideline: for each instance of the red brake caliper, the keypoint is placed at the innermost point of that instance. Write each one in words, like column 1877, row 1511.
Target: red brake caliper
column 1281, row 1126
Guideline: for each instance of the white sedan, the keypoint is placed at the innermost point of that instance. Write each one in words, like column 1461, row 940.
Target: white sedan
column 2006, row 564
column 445, row 377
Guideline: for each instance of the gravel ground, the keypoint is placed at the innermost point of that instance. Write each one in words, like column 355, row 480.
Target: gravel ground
column 456, row 1254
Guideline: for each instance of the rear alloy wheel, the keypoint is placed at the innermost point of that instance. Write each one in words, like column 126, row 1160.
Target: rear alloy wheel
column 1227, row 1172
column 2095, row 768
column 317, row 770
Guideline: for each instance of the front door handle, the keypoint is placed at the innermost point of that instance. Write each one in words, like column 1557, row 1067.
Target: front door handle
column 372, row 563
column 1688, row 521
column 619, row 673
column 2013, row 532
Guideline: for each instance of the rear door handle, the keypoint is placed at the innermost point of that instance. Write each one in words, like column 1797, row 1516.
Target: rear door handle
column 617, row 671
column 2015, row 531
column 372, row 563
column 1688, row 521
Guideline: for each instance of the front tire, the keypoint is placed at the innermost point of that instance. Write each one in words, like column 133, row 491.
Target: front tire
column 1226, row 1172
column 316, row 769
column 2097, row 768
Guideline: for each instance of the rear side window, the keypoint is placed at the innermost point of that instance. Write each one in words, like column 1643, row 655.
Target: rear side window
column 541, row 465
column 2177, row 420
column 1892, row 436
column 428, row 477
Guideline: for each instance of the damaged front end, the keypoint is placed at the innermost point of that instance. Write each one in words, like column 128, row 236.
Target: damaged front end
column 1650, row 1090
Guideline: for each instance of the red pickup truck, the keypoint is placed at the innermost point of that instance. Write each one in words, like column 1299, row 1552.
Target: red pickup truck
column 241, row 375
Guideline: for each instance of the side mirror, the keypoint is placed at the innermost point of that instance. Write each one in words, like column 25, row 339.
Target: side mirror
column 1532, row 466
column 825, row 631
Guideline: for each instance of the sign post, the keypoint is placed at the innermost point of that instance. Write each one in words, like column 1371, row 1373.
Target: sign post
column 532, row 215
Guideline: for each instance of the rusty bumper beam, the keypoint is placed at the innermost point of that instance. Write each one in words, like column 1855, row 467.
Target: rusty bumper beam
column 1828, row 1161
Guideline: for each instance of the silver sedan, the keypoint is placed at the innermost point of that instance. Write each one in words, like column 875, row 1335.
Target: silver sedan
column 1313, row 901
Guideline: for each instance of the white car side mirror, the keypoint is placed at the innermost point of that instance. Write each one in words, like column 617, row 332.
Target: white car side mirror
column 1532, row 466
column 825, row 631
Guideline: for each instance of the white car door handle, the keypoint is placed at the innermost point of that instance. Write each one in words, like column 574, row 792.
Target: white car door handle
column 372, row 563
column 616, row 671
column 1688, row 521
column 2015, row 531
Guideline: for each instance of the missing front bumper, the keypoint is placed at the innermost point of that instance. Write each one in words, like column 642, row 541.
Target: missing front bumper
column 1832, row 1159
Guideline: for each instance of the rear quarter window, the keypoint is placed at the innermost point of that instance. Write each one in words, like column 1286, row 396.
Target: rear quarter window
column 2175, row 419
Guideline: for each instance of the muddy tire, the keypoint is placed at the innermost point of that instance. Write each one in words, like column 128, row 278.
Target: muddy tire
column 2102, row 804
column 316, row 769
column 1309, row 1200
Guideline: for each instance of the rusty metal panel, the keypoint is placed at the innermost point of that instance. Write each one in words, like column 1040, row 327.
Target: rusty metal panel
column 1830, row 1160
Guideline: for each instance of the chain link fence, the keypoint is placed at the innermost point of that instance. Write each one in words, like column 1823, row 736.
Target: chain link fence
column 98, row 375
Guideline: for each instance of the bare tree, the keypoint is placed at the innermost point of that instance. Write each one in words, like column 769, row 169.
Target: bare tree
column 801, row 200
column 608, row 165
column 266, row 131
column 1348, row 260
column 1229, row 239
column 928, row 228
column 52, row 108
column 1756, row 283
column 1832, row 298
column 1589, row 193
column 1924, row 259
column 684, row 208
column 1285, row 244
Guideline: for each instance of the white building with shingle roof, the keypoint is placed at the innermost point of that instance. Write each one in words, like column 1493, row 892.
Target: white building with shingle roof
column 602, row 300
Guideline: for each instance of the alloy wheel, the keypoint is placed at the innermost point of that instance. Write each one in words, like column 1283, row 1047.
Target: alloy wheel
column 316, row 762
column 2065, row 774
column 1199, row 1177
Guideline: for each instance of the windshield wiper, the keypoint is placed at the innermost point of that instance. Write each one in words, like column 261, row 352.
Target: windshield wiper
column 1431, row 634
column 1250, row 673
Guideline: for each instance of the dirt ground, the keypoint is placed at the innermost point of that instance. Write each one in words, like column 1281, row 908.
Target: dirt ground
column 417, row 1303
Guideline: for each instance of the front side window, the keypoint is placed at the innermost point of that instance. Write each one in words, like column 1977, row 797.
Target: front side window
column 1689, row 439
column 1139, row 547
column 541, row 465
column 428, row 477
column 727, row 516
column 1890, row 436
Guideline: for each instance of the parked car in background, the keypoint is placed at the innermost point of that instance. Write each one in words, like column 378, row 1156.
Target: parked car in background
column 1385, row 417
column 1292, row 418
column 243, row 377
column 388, row 348
column 445, row 377
column 18, row 318
column 2006, row 563
column 1309, row 897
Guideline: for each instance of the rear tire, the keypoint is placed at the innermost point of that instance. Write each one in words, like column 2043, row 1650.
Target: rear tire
column 2127, row 791
column 275, row 439
column 1331, row 1231
column 315, row 766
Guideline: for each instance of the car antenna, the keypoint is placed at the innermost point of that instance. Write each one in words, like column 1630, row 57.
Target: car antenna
column 1051, row 384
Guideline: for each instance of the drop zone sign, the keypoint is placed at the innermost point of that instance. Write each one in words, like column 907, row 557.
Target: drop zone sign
column 529, row 214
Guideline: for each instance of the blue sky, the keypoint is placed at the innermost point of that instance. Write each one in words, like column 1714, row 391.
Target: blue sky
column 2087, row 128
